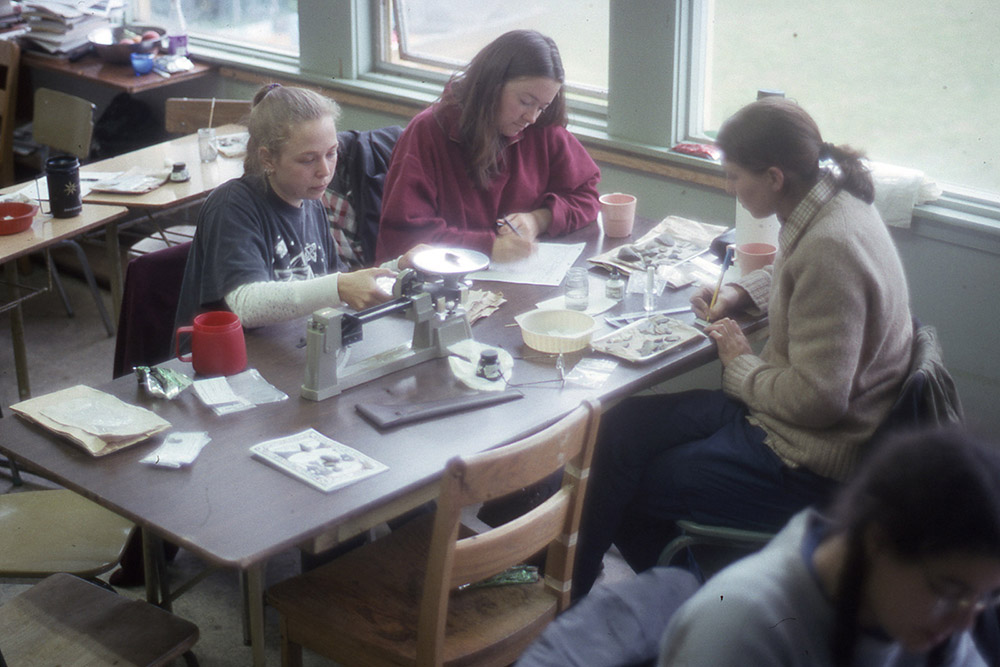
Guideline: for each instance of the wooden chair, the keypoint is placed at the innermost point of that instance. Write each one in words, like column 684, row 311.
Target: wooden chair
column 64, row 620
column 185, row 115
column 65, row 123
column 10, row 58
column 44, row 532
column 405, row 599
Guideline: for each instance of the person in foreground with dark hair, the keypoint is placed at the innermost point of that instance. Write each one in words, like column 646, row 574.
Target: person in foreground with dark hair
column 491, row 166
column 791, row 423
column 896, row 575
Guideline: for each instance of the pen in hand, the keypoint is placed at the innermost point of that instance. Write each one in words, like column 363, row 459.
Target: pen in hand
column 504, row 221
column 726, row 261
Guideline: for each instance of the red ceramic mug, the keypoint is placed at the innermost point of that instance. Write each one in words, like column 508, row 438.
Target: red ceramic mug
column 217, row 344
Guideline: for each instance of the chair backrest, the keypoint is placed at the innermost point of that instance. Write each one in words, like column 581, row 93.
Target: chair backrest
column 454, row 560
column 185, row 115
column 149, row 303
column 10, row 57
column 63, row 122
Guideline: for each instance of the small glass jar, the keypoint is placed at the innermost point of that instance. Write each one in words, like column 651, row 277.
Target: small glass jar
column 179, row 174
column 489, row 365
column 577, row 288
column 615, row 287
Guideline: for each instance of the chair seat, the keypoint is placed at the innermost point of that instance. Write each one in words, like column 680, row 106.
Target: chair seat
column 63, row 620
column 369, row 601
column 58, row 531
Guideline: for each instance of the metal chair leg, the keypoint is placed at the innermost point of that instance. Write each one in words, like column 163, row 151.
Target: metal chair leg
column 57, row 282
column 88, row 273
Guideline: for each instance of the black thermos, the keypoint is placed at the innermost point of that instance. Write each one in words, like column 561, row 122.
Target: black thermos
column 63, row 176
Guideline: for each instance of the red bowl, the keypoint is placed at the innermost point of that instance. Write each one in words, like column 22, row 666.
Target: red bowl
column 16, row 216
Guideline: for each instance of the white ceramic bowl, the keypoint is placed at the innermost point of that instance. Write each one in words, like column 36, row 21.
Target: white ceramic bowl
column 555, row 331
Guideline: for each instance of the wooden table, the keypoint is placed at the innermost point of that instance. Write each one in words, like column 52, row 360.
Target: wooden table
column 44, row 232
column 205, row 176
column 92, row 69
column 235, row 511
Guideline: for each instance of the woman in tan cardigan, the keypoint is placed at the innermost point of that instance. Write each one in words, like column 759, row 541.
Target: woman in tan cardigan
column 792, row 422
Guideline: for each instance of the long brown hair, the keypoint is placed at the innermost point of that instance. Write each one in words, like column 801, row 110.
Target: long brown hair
column 777, row 132
column 476, row 92
column 275, row 110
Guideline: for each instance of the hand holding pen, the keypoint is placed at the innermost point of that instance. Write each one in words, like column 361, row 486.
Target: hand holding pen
column 710, row 305
column 726, row 262
column 504, row 224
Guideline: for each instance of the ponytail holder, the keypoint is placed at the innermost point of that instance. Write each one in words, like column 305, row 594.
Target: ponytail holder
column 272, row 86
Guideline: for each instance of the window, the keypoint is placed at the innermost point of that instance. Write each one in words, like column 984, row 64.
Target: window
column 909, row 82
column 435, row 37
column 264, row 25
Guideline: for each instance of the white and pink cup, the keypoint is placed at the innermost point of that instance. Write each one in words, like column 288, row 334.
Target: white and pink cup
column 617, row 214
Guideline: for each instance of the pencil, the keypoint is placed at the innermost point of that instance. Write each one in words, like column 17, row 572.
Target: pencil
column 504, row 221
column 722, row 274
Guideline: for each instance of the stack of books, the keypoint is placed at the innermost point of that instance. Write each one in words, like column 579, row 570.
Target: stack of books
column 10, row 17
column 59, row 28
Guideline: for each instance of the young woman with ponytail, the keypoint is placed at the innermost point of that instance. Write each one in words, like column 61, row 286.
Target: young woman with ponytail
column 789, row 424
column 895, row 575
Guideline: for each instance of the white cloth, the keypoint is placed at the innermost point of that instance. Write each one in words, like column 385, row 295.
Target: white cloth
column 898, row 190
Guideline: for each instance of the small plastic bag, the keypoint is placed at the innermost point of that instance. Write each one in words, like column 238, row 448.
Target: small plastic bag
column 591, row 373
column 179, row 449
column 162, row 382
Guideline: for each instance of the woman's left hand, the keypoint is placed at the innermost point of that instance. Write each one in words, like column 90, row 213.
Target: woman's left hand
column 729, row 339
column 406, row 261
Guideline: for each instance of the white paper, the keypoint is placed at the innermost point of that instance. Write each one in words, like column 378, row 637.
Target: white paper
column 38, row 190
column 317, row 460
column 546, row 266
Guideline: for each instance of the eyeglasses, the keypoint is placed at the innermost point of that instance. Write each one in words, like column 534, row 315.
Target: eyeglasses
column 951, row 599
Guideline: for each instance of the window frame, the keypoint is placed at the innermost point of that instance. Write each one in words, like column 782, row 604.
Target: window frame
column 345, row 33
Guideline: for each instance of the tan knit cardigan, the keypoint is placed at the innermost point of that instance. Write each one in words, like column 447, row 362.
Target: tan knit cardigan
column 839, row 343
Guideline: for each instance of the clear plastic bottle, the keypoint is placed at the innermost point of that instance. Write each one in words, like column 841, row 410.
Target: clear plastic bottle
column 177, row 38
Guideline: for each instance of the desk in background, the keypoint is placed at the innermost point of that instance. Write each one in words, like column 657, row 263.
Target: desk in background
column 44, row 232
column 234, row 511
column 92, row 69
column 205, row 176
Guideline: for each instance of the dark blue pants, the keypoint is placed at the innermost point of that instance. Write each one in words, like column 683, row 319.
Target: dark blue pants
column 691, row 455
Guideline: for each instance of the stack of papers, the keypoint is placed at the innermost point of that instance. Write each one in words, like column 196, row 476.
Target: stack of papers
column 98, row 422
column 61, row 27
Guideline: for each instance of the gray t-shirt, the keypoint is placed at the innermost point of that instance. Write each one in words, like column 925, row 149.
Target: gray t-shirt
column 247, row 234
column 769, row 609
